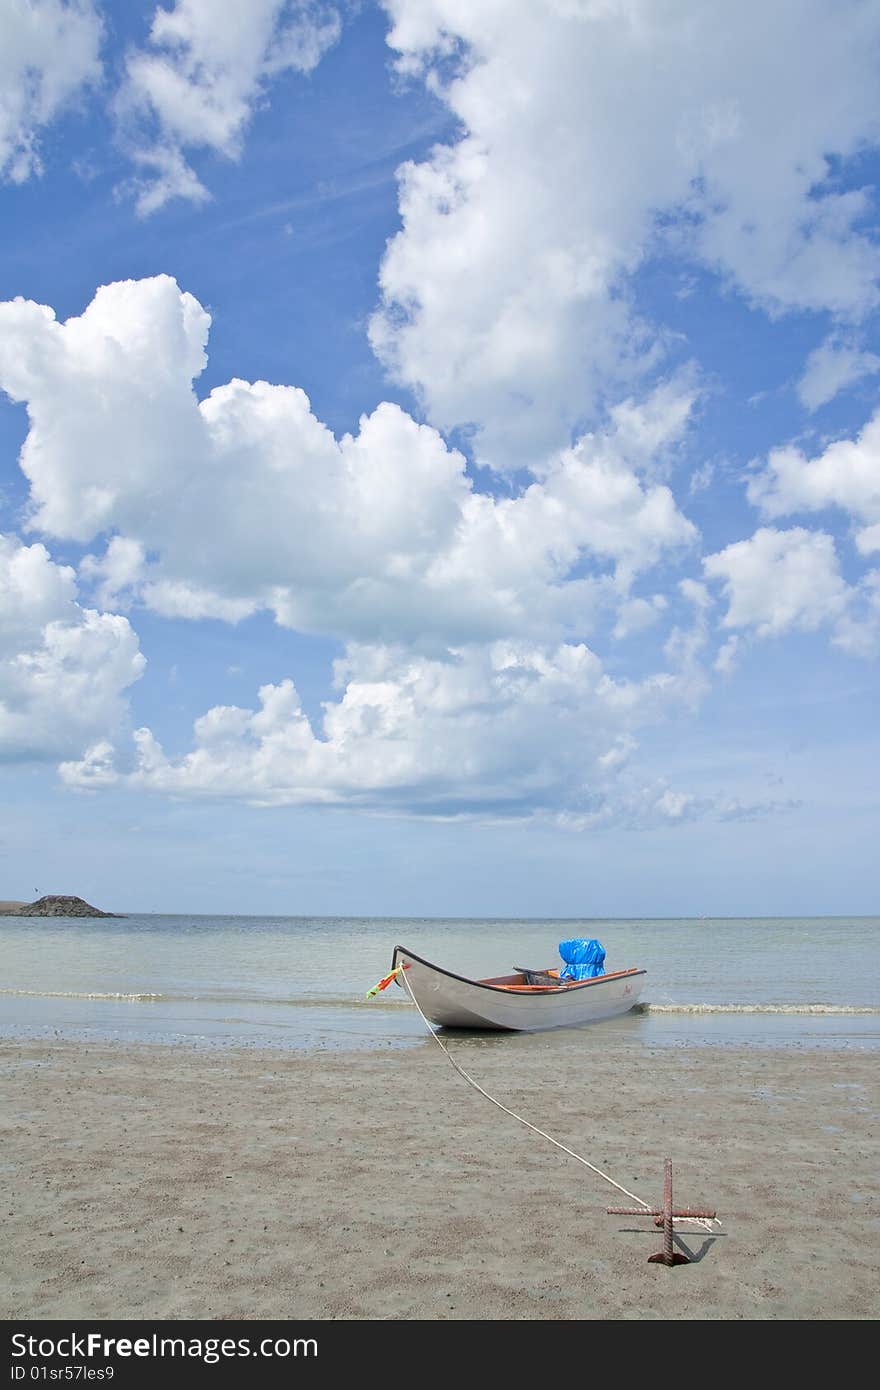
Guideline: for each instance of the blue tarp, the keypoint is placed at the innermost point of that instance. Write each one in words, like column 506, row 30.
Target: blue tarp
column 583, row 959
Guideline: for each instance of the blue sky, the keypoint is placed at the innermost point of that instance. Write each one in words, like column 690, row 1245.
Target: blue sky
column 444, row 474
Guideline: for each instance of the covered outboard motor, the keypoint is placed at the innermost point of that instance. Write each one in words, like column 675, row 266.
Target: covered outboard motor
column 583, row 959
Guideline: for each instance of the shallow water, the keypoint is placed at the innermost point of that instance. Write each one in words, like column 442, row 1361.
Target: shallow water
column 300, row 982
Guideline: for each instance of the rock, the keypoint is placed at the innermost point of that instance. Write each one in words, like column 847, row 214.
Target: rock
column 55, row 905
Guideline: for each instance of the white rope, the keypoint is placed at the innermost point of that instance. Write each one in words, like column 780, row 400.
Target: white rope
column 699, row 1221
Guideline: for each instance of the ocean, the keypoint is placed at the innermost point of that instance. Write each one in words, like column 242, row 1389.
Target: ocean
column 300, row 982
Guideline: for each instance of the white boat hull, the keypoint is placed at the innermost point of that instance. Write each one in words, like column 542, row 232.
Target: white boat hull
column 455, row 1002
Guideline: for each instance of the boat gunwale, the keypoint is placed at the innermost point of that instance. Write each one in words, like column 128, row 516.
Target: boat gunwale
column 517, row 991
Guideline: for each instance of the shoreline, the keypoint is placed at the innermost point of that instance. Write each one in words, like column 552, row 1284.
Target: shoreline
column 318, row 1024
column 151, row 1181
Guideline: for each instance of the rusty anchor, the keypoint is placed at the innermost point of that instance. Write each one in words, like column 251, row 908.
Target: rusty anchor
column 664, row 1216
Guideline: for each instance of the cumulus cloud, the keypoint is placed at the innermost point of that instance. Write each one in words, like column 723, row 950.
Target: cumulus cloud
column 790, row 581
column 779, row 580
column 48, row 53
column 831, row 368
column 465, row 688
column 116, row 575
column 783, row 580
column 591, row 136
column 246, row 501
column 846, row 475
column 63, row 668
column 504, row 729
column 197, row 81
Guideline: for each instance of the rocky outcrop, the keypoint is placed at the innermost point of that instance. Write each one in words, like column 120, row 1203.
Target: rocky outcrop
column 56, row 906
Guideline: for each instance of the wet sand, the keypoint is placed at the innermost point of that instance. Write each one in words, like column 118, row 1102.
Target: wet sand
column 159, row 1182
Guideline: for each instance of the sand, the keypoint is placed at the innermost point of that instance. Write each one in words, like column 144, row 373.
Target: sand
column 159, row 1182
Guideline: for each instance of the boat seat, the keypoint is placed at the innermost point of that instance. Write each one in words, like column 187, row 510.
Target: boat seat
column 538, row 977
column 542, row 989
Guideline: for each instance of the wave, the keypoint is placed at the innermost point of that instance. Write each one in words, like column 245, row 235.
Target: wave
column 302, row 1001
column 647, row 1008
column 85, row 994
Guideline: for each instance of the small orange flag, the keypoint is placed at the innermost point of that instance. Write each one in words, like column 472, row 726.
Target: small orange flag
column 383, row 984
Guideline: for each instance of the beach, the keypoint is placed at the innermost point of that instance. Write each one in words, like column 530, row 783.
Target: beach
column 154, row 1182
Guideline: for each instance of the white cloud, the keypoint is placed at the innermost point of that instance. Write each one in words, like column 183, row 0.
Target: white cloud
column 728, row 652
column 117, row 575
column 695, row 593
column 63, row 668
column 196, row 83
column 459, row 688
column 167, row 176
column 702, row 478
column 636, row 614
column 780, row 580
column 246, row 501
column 791, row 579
column 830, row 368
column 868, row 539
column 464, row 689
column 48, row 53
column 507, row 729
column 654, row 803
column 592, row 135
column 858, row 631
column 846, row 475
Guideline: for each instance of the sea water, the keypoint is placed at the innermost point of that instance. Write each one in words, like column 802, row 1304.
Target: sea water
column 300, row 981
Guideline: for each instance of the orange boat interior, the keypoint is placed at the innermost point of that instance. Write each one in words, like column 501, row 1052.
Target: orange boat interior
column 517, row 982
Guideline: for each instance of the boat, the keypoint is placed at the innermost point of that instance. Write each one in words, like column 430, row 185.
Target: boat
column 508, row 1003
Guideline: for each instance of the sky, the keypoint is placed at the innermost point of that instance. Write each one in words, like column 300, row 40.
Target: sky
column 440, row 456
